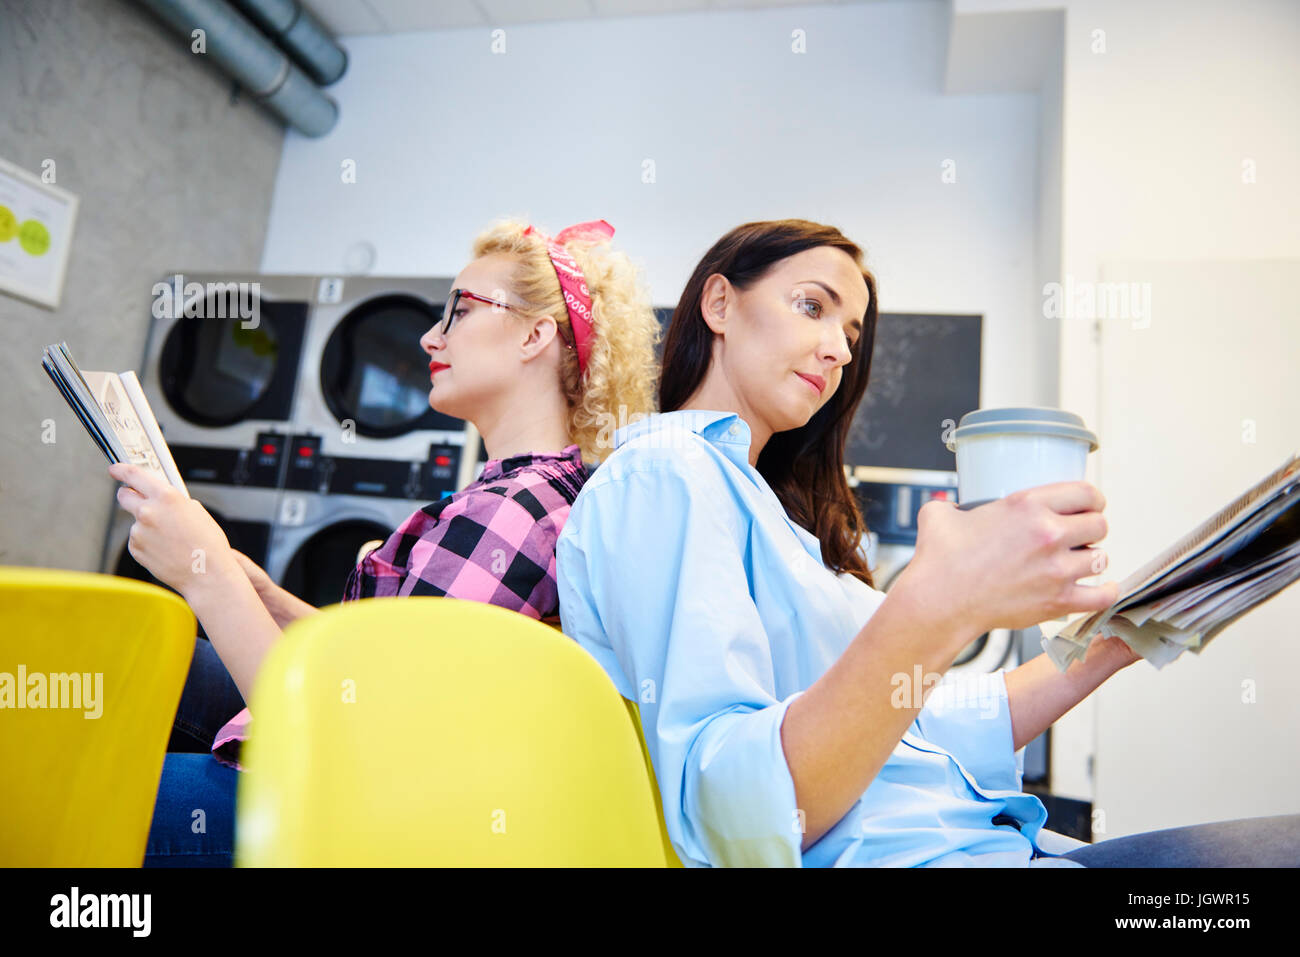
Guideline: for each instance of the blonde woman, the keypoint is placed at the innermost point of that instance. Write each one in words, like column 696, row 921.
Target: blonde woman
column 543, row 342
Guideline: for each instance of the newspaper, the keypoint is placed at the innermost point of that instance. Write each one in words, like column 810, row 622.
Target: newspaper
column 115, row 413
column 1235, row 560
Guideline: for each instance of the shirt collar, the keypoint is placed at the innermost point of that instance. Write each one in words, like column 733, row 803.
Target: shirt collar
column 496, row 468
column 726, row 431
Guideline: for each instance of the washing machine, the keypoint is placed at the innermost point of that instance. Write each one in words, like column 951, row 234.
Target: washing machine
column 366, row 449
column 333, row 505
column 890, row 499
column 220, row 369
column 364, row 391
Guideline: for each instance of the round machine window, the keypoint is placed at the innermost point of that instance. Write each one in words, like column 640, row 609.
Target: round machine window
column 374, row 372
column 213, row 370
column 319, row 570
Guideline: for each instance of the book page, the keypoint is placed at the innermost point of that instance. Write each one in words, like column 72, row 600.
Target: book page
column 106, row 389
column 148, row 422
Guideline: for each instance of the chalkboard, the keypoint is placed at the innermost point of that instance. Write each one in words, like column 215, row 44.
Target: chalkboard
column 925, row 375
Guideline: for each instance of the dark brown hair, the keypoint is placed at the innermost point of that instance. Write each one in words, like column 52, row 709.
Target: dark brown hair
column 804, row 466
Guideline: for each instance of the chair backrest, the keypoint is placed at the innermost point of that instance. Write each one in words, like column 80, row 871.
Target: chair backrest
column 634, row 712
column 91, row 672
column 435, row 731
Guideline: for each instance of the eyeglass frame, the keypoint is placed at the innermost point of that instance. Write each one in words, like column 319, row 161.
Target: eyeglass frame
column 456, row 295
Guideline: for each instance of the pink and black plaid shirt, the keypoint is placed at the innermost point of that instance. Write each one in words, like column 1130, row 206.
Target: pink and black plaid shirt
column 493, row 541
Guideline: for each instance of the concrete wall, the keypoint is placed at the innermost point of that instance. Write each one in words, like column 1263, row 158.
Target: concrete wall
column 170, row 175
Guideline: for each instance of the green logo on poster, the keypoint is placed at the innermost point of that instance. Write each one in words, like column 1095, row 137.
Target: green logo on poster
column 34, row 238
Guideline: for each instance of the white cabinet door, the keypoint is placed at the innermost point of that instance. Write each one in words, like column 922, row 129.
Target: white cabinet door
column 1198, row 400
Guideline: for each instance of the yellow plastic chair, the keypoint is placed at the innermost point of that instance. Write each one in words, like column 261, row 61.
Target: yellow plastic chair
column 439, row 732
column 634, row 712
column 79, row 789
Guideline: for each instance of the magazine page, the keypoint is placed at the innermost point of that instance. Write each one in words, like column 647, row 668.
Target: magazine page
column 1239, row 557
column 131, row 386
column 107, row 391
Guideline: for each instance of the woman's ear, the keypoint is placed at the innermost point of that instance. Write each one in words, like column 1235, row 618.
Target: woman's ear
column 540, row 333
column 715, row 297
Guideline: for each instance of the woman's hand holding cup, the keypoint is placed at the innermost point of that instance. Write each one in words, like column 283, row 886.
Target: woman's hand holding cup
column 1012, row 562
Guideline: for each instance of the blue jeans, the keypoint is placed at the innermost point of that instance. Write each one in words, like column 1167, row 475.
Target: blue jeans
column 194, row 815
column 210, row 699
column 1247, row 842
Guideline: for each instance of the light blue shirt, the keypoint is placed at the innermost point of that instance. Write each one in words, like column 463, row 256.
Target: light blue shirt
column 681, row 573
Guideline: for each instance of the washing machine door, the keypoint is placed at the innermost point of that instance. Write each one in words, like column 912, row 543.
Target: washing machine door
column 251, row 538
column 318, row 571
column 217, row 368
column 374, row 373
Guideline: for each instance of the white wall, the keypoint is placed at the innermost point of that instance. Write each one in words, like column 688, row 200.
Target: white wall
column 1218, row 731
column 447, row 135
column 1156, row 127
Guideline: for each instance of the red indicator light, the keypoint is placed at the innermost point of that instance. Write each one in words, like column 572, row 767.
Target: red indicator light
column 945, row 496
column 442, row 460
column 268, row 449
column 304, row 451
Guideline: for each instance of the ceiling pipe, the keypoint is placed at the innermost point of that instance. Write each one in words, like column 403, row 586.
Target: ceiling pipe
column 240, row 49
column 300, row 34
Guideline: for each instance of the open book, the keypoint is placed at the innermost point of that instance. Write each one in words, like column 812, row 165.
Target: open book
column 115, row 412
column 1236, row 559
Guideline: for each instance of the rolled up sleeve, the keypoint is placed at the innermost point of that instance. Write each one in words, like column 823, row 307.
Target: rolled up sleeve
column 969, row 717
column 739, row 798
column 653, row 584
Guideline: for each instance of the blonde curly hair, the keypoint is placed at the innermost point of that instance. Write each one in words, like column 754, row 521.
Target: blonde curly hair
column 622, row 370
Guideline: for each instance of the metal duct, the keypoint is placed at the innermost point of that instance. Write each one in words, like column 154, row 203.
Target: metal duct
column 300, row 34
column 258, row 65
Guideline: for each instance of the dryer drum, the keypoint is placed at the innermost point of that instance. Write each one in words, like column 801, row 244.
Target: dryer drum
column 319, row 570
column 374, row 372
column 217, row 369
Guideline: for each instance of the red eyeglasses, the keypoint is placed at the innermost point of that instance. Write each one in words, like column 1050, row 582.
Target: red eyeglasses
column 453, row 301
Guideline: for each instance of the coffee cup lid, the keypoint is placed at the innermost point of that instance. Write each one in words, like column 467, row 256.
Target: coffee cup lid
column 1029, row 419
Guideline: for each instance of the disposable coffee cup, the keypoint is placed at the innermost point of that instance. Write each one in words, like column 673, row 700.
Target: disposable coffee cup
column 1000, row 451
